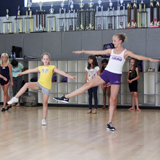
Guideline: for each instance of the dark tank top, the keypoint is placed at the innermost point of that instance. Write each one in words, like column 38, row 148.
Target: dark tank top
column 4, row 71
column 132, row 76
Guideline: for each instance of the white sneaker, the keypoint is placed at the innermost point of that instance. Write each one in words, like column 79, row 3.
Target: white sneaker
column 44, row 122
column 13, row 100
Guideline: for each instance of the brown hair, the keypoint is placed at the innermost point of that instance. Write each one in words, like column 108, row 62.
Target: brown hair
column 134, row 67
column 121, row 36
column 95, row 63
column 45, row 53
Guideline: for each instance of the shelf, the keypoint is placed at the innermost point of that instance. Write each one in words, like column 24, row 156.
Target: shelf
column 82, row 64
column 149, row 85
column 62, row 87
column 62, row 65
column 149, row 99
column 83, row 99
column 126, row 99
column 81, row 77
column 72, row 87
column 72, row 66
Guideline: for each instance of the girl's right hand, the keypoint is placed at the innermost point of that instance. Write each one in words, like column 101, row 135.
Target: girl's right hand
column 19, row 74
column 5, row 79
column 77, row 52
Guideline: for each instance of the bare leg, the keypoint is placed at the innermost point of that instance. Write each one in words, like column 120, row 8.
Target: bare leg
column 133, row 104
column 94, row 82
column 45, row 105
column 104, row 96
column 8, row 97
column 5, row 93
column 109, row 95
column 113, row 101
column 136, row 100
column 31, row 85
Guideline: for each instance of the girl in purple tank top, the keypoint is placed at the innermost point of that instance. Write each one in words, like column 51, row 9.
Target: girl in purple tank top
column 111, row 74
column 5, row 78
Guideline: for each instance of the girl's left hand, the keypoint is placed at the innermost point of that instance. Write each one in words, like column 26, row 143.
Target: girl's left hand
column 154, row 60
column 130, row 81
column 11, row 84
column 74, row 78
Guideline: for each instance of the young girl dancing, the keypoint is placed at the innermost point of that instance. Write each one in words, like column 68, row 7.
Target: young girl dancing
column 6, row 78
column 112, row 73
column 44, row 83
column 92, row 71
column 133, row 76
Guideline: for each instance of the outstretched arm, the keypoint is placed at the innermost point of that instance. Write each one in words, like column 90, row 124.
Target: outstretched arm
column 139, row 57
column 103, row 52
column 63, row 73
column 28, row 71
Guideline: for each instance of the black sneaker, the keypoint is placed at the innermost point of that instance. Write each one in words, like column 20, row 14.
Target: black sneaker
column 9, row 107
column 3, row 110
column 110, row 127
column 61, row 99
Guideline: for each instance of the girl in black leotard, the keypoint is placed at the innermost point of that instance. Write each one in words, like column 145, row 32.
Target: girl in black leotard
column 6, row 78
column 133, row 75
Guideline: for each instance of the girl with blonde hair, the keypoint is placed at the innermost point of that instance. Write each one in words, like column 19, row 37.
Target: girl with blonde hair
column 112, row 73
column 5, row 78
column 44, row 83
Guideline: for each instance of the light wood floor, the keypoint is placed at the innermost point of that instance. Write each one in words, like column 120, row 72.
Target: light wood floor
column 71, row 134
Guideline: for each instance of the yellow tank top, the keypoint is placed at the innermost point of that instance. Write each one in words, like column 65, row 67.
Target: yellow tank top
column 46, row 73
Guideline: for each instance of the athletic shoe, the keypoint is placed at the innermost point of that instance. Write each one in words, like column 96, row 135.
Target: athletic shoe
column 3, row 110
column 61, row 99
column 13, row 100
column 44, row 122
column 110, row 127
column 9, row 107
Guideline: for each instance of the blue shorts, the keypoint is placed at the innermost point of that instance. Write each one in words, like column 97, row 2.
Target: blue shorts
column 113, row 78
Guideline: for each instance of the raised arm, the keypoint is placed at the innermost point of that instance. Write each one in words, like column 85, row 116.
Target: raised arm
column 63, row 73
column 139, row 57
column 103, row 52
column 28, row 71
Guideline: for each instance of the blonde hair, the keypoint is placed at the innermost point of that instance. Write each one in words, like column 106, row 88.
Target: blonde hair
column 45, row 53
column 121, row 36
column 4, row 54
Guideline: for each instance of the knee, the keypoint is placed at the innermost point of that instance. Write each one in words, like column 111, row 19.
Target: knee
column 113, row 100
column 135, row 95
column 5, row 93
column 45, row 104
column 26, row 85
